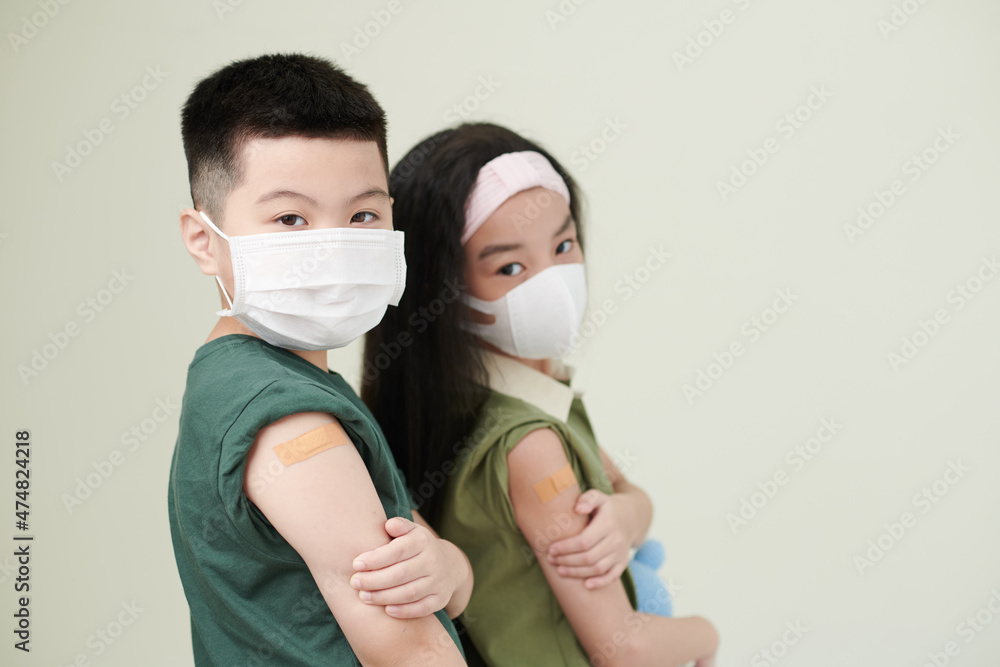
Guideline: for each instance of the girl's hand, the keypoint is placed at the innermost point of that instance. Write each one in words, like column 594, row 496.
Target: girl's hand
column 599, row 553
column 414, row 575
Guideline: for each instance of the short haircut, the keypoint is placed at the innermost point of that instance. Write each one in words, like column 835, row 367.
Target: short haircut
column 269, row 96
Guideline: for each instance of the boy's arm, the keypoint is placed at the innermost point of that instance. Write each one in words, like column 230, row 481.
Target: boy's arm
column 610, row 631
column 327, row 508
column 416, row 574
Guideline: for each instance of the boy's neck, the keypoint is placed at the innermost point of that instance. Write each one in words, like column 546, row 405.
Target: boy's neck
column 227, row 326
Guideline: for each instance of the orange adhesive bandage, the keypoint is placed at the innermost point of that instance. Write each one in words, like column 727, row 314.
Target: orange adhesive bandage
column 554, row 484
column 311, row 443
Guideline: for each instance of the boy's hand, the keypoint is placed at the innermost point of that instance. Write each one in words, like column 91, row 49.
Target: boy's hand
column 599, row 553
column 414, row 575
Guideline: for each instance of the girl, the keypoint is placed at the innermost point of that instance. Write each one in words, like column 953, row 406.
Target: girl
column 465, row 379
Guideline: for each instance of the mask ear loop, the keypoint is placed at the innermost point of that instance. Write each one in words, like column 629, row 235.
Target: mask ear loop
column 224, row 293
column 480, row 306
column 223, row 235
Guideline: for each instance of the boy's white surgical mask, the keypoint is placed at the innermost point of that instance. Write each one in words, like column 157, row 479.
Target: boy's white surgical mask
column 539, row 318
column 316, row 289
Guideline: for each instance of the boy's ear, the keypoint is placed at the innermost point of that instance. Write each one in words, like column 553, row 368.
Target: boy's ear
column 197, row 239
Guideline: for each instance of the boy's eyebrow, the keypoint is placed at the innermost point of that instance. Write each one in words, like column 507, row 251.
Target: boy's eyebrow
column 378, row 193
column 277, row 194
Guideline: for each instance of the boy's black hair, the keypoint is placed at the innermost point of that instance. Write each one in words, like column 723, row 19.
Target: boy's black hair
column 272, row 96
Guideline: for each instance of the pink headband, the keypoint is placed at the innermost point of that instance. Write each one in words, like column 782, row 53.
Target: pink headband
column 503, row 177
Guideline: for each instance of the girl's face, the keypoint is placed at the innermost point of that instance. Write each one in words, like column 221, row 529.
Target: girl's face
column 530, row 232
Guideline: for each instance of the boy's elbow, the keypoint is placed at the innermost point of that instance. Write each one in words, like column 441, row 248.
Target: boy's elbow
column 439, row 650
column 417, row 649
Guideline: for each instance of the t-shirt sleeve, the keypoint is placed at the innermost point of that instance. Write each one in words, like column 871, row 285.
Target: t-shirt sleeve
column 275, row 401
column 497, row 474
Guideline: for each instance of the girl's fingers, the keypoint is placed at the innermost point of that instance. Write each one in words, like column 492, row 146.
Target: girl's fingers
column 581, row 572
column 584, row 549
column 393, row 576
column 583, row 541
column 399, row 549
column 418, row 609
column 398, row 526
column 589, row 501
column 603, row 580
column 409, row 592
column 581, row 559
column 600, row 567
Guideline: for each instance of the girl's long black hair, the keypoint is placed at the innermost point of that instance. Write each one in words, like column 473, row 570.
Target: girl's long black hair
column 423, row 376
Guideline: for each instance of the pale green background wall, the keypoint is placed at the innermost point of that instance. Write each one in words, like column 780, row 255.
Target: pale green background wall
column 681, row 129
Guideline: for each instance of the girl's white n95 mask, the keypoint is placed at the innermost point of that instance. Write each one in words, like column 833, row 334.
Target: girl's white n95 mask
column 539, row 318
column 317, row 289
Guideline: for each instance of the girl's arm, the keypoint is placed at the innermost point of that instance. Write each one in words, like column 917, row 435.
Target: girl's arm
column 416, row 574
column 600, row 553
column 459, row 563
column 640, row 507
column 610, row 631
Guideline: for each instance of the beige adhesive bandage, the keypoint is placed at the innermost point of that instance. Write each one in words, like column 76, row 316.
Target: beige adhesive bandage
column 311, row 443
column 554, row 484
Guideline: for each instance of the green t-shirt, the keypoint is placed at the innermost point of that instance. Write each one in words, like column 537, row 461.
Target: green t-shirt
column 253, row 601
column 513, row 618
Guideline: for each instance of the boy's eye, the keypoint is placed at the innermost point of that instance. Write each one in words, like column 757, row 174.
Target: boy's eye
column 292, row 220
column 564, row 247
column 511, row 269
column 360, row 217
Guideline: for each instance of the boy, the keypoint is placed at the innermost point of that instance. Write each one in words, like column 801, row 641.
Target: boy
column 290, row 520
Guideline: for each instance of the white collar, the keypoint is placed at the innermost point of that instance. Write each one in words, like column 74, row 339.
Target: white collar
column 511, row 377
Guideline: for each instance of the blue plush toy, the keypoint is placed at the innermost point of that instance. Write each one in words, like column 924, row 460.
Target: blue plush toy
column 651, row 593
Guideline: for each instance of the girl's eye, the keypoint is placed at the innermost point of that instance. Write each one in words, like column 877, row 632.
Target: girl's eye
column 360, row 217
column 564, row 247
column 511, row 269
column 292, row 220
